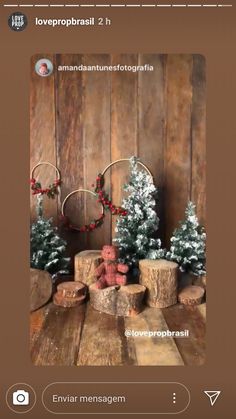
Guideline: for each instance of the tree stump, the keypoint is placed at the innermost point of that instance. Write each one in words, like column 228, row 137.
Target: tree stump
column 40, row 288
column 118, row 300
column 71, row 289
column 191, row 295
column 160, row 278
column 85, row 264
column 67, row 302
column 70, row 294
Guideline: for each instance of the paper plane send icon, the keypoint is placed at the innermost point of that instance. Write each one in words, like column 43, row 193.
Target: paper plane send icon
column 213, row 396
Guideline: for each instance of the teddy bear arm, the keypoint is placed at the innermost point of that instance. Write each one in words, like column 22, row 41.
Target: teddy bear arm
column 122, row 268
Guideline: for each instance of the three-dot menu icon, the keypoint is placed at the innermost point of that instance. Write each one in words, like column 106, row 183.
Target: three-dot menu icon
column 174, row 398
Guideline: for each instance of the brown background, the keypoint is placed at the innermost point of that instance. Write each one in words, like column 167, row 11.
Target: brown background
column 81, row 122
column 210, row 32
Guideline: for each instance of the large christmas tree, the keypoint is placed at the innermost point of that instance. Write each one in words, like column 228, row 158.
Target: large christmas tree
column 136, row 230
column 47, row 248
column 188, row 244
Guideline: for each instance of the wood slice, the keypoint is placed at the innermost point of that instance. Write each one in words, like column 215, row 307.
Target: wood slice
column 191, row 295
column 67, row 302
column 118, row 301
column 40, row 288
column 71, row 289
column 160, row 278
column 85, row 264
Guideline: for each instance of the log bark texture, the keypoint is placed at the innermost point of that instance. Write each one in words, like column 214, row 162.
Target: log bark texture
column 40, row 288
column 85, row 264
column 118, row 301
column 160, row 279
column 191, row 295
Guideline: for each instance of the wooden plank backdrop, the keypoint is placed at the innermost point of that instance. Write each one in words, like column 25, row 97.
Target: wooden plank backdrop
column 82, row 121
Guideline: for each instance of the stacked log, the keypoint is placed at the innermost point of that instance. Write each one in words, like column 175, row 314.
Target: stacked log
column 85, row 265
column 70, row 294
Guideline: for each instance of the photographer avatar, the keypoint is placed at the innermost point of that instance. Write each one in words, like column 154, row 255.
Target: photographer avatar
column 44, row 67
column 20, row 397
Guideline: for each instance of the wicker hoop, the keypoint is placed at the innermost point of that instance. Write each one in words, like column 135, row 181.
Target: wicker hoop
column 121, row 160
column 52, row 189
column 92, row 225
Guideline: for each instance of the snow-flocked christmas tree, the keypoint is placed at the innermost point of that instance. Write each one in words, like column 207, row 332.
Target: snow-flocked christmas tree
column 47, row 248
column 136, row 230
column 188, row 244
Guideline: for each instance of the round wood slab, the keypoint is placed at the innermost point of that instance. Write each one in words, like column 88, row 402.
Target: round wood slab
column 67, row 302
column 71, row 289
column 191, row 295
column 40, row 288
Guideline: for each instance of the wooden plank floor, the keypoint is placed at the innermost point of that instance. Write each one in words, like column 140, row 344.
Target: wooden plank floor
column 83, row 336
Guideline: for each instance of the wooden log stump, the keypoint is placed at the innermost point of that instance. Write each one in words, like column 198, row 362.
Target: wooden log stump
column 68, row 302
column 71, row 289
column 191, row 295
column 85, row 264
column 160, row 278
column 70, row 294
column 40, row 288
column 118, row 300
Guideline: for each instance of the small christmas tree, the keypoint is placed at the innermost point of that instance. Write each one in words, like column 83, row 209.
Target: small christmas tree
column 47, row 249
column 188, row 244
column 136, row 230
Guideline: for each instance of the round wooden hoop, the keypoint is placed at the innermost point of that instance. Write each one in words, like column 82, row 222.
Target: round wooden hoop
column 58, row 175
column 121, row 160
column 53, row 189
column 77, row 191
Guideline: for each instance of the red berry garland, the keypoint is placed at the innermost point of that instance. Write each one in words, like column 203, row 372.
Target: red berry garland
column 87, row 227
column 103, row 198
column 51, row 191
column 84, row 229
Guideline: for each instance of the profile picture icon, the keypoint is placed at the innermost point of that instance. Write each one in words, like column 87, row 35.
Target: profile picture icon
column 17, row 21
column 44, row 67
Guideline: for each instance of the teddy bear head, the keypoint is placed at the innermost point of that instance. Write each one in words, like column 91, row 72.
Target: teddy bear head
column 110, row 252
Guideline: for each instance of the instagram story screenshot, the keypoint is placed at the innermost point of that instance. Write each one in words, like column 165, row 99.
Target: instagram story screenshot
column 117, row 209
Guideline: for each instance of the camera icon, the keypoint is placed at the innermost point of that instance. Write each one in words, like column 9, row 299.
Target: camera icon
column 20, row 398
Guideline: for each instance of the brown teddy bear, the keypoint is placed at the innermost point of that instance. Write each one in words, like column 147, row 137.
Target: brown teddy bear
column 110, row 272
